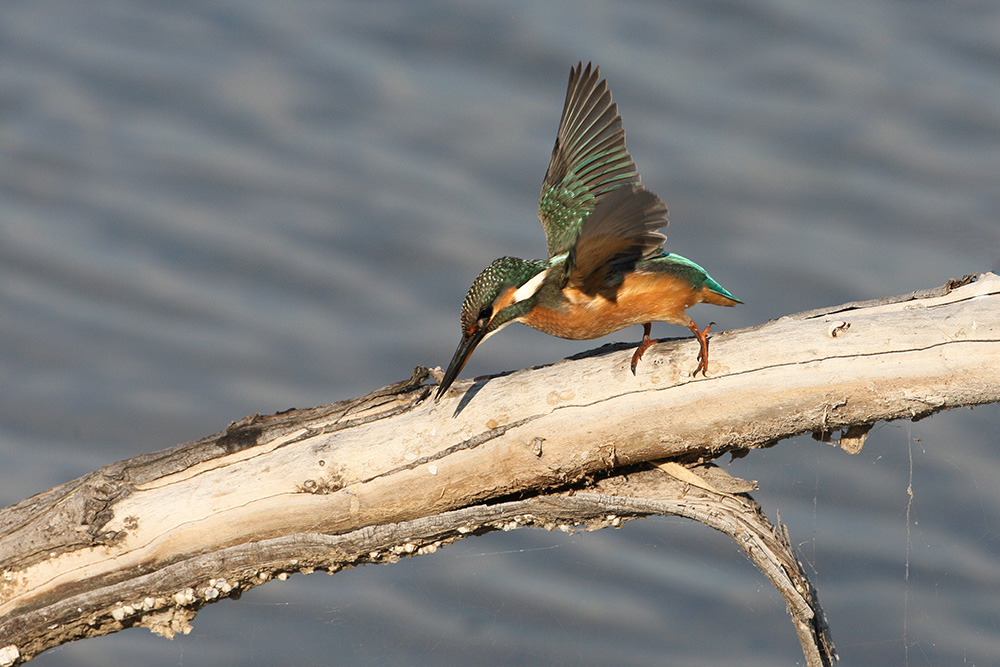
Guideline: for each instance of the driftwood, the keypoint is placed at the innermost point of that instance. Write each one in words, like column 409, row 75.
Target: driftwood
column 150, row 540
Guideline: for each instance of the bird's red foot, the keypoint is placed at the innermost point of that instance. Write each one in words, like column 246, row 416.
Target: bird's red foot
column 702, row 336
column 643, row 346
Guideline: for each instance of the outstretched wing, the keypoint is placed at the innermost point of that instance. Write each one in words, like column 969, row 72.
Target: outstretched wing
column 589, row 160
column 621, row 230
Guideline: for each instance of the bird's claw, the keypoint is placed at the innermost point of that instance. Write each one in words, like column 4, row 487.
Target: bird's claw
column 702, row 336
column 637, row 356
column 644, row 345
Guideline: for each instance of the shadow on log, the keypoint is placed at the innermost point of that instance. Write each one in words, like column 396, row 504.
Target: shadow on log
column 148, row 541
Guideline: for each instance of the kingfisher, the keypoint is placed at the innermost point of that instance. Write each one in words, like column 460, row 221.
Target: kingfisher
column 606, row 268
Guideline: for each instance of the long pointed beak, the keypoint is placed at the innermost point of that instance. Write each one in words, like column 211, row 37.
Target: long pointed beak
column 462, row 355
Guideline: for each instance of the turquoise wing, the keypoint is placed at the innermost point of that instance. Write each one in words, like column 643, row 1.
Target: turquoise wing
column 589, row 159
column 697, row 277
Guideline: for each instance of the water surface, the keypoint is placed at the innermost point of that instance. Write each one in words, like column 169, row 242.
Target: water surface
column 222, row 208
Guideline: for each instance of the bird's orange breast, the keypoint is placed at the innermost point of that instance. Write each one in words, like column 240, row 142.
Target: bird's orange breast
column 642, row 297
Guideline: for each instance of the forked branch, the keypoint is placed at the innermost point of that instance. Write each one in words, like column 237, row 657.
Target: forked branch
column 150, row 540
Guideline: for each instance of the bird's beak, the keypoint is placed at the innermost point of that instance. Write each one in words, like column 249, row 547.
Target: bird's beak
column 462, row 355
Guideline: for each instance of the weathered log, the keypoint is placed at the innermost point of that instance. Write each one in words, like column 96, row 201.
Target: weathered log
column 149, row 540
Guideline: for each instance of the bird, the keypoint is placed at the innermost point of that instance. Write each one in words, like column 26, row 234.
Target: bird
column 606, row 267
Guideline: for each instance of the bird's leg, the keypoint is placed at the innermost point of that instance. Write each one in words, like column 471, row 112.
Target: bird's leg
column 646, row 343
column 702, row 336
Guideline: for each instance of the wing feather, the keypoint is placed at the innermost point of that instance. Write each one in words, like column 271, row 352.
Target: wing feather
column 621, row 231
column 589, row 159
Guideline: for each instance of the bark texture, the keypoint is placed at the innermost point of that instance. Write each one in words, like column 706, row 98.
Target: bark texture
column 150, row 540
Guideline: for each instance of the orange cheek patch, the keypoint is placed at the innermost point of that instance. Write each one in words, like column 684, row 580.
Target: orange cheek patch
column 505, row 299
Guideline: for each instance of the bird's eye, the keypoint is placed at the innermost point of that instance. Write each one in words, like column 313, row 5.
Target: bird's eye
column 485, row 314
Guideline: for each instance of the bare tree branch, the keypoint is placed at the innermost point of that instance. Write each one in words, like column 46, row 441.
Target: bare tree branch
column 150, row 540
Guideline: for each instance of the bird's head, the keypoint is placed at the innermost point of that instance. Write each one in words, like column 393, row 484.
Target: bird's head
column 503, row 292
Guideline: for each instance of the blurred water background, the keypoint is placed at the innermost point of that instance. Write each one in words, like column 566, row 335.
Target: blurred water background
column 218, row 208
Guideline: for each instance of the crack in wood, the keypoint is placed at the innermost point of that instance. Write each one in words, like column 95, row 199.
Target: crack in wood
column 114, row 582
